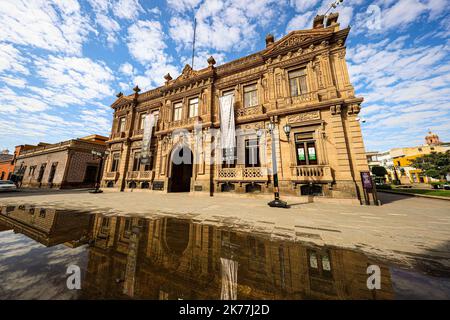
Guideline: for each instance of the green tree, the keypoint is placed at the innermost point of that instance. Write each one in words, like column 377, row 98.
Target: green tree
column 435, row 164
column 379, row 171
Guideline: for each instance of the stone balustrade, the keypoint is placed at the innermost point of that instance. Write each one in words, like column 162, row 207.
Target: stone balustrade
column 112, row 175
column 306, row 97
column 140, row 175
column 184, row 122
column 312, row 173
column 242, row 174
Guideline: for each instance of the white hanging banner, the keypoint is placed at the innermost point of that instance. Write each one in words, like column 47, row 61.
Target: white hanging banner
column 149, row 122
column 227, row 125
column 229, row 279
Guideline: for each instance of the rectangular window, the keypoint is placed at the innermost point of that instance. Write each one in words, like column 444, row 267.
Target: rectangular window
column 229, row 157
column 115, row 162
column 142, row 120
column 137, row 161
column 177, row 110
column 32, row 170
column 252, row 153
column 122, row 124
column 41, row 172
column 320, row 264
column 305, row 149
column 297, row 82
column 227, row 92
column 127, row 228
column 250, row 96
column 193, row 107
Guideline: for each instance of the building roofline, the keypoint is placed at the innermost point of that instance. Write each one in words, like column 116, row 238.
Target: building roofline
column 259, row 56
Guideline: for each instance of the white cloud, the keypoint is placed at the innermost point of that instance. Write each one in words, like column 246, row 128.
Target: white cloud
column 146, row 43
column 11, row 59
column 300, row 22
column 127, row 69
column 401, row 14
column 52, row 25
column 80, row 78
column 143, row 82
column 14, row 81
column 10, row 102
column 224, row 25
column 201, row 57
column 127, row 9
column 183, row 5
column 303, row 5
column 406, row 89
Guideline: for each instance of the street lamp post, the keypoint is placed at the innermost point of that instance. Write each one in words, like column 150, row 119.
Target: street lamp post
column 277, row 202
column 102, row 157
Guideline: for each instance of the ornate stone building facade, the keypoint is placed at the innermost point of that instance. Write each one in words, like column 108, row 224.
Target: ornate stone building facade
column 299, row 82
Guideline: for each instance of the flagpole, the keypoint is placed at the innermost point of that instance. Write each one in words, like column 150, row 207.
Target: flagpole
column 193, row 43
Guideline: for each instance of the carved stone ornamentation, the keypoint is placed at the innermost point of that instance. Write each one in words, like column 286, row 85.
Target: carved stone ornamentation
column 168, row 77
column 293, row 41
column 335, row 110
column 211, row 61
column 305, row 116
column 353, row 109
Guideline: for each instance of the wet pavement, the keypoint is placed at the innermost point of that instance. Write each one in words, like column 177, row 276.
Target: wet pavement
column 164, row 257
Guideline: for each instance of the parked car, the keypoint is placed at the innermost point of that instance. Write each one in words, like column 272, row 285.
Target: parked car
column 7, row 185
column 446, row 186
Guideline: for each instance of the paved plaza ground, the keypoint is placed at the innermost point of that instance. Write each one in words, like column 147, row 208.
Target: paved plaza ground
column 402, row 229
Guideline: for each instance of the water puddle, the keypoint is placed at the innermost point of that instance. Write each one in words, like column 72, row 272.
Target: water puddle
column 170, row 258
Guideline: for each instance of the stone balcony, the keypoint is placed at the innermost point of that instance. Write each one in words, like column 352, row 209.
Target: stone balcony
column 184, row 122
column 242, row 174
column 140, row 175
column 117, row 135
column 304, row 98
column 111, row 176
column 314, row 173
column 140, row 132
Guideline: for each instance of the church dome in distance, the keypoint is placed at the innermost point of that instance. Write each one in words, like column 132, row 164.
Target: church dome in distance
column 432, row 139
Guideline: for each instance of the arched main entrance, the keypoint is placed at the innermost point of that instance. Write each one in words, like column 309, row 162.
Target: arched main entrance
column 181, row 170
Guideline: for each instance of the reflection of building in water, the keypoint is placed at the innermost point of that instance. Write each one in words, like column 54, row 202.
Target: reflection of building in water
column 177, row 259
column 48, row 226
column 4, row 227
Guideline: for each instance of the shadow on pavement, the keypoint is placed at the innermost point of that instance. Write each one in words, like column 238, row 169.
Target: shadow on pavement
column 390, row 197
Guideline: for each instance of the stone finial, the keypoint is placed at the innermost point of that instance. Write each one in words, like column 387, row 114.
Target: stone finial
column 168, row 77
column 136, row 89
column 120, row 94
column 318, row 22
column 211, row 61
column 270, row 39
column 332, row 19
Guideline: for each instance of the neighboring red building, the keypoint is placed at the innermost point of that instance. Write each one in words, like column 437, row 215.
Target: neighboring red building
column 8, row 161
column 6, row 165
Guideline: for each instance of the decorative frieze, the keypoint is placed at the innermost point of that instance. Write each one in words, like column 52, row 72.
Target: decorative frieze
column 305, row 116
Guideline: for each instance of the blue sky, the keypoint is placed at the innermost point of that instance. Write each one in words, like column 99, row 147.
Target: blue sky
column 63, row 61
